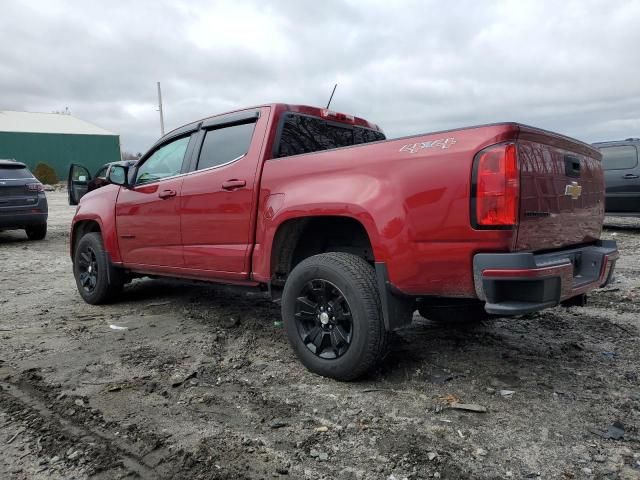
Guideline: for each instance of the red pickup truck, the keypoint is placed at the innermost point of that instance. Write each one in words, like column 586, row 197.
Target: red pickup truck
column 350, row 231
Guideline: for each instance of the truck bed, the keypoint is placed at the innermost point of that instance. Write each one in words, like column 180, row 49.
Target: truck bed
column 421, row 226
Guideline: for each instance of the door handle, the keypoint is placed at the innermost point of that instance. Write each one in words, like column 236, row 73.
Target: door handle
column 233, row 184
column 630, row 176
column 167, row 194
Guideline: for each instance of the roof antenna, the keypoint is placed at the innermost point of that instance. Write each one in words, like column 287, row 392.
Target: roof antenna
column 331, row 97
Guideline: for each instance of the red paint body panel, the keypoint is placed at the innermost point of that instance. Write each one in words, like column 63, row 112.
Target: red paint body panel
column 148, row 226
column 412, row 196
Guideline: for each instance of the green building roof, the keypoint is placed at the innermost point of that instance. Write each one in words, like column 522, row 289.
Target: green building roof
column 56, row 140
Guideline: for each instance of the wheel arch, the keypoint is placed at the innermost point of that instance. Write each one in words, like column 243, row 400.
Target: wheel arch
column 301, row 237
column 298, row 238
column 81, row 228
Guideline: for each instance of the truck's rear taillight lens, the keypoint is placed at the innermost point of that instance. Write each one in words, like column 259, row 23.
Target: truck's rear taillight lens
column 34, row 187
column 497, row 186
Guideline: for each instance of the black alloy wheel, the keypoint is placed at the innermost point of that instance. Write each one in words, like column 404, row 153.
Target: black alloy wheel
column 332, row 315
column 88, row 269
column 323, row 319
column 98, row 281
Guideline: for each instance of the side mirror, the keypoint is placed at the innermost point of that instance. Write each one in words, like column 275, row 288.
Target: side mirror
column 119, row 175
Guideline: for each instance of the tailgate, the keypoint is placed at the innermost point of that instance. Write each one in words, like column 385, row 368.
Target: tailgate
column 561, row 191
column 15, row 196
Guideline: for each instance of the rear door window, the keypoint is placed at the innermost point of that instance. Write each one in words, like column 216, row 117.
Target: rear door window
column 622, row 157
column 305, row 134
column 224, row 145
column 12, row 173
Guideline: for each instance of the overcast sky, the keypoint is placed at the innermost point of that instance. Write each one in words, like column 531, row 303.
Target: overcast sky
column 411, row 67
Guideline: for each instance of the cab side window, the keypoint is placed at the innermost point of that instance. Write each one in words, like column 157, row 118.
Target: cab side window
column 304, row 134
column 164, row 162
column 225, row 145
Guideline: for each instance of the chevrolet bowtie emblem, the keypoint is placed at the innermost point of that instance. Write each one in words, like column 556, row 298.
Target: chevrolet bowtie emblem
column 573, row 190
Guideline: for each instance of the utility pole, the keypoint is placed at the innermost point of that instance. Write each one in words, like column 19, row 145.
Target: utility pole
column 160, row 110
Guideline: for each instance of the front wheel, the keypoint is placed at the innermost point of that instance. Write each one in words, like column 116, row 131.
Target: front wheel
column 332, row 315
column 97, row 280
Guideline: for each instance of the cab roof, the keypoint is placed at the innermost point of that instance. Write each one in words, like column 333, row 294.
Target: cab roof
column 278, row 109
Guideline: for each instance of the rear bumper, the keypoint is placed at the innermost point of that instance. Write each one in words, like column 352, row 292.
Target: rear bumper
column 518, row 283
column 21, row 220
column 21, row 217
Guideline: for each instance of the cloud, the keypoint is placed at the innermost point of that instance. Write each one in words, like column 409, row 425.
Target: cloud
column 410, row 66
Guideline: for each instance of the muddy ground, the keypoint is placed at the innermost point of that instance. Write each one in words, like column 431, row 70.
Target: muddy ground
column 202, row 384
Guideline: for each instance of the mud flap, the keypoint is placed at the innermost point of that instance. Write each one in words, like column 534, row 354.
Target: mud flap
column 397, row 310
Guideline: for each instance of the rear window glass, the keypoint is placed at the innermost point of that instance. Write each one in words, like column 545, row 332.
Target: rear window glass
column 304, row 134
column 8, row 173
column 619, row 158
column 225, row 144
column 364, row 135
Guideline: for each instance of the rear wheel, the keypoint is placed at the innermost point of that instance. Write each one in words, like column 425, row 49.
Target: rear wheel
column 332, row 315
column 97, row 280
column 36, row 232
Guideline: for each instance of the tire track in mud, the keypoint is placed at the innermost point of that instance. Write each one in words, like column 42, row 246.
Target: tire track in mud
column 112, row 453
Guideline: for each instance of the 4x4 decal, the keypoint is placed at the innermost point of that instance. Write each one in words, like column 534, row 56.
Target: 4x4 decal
column 439, row 143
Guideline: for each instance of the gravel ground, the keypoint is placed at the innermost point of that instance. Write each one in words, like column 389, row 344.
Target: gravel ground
column 202, row 384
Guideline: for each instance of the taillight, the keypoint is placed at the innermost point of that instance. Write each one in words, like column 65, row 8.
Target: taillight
column 34, row 187
column 497, row 186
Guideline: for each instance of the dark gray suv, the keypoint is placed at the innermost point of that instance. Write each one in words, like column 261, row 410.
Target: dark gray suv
column 621, row 176
column 23, row 204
